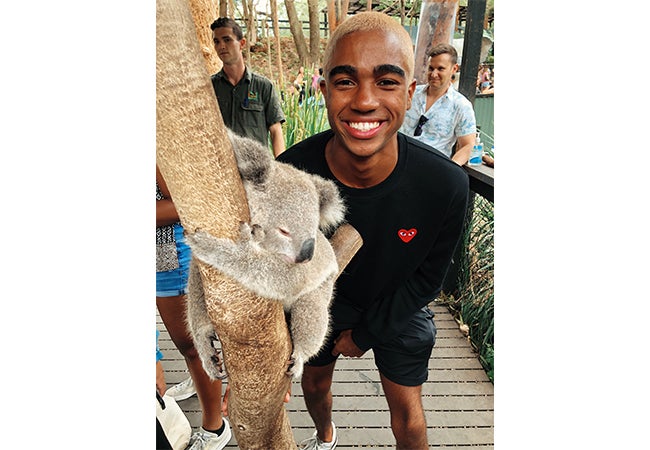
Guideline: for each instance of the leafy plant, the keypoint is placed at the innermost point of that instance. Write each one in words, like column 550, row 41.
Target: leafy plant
column 474, row 306
column 304, row 119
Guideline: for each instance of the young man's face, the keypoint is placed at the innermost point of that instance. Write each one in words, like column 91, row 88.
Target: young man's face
column 367, row 93
column 440, row 71
column 227, row 45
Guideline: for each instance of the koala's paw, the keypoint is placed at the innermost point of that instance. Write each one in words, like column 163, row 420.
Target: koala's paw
column 248, row 232
column 200, row 240
column 214, row 366
column 296, row 366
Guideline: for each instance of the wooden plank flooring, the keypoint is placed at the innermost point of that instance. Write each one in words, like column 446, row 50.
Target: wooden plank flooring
column 458, row 398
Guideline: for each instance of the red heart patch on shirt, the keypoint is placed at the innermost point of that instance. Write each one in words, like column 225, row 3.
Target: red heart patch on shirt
column 407, row 235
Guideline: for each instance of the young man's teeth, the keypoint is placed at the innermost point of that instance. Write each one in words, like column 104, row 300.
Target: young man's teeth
column 364, row 126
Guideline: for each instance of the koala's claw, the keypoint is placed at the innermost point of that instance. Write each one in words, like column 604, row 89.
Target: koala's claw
column 296, row 366
column 215, row 367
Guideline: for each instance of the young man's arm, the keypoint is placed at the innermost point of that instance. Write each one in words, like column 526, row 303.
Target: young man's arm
column 463, row 148
column 277, row 138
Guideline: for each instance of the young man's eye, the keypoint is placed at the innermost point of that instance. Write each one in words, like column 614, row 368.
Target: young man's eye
column 388, row 82
column 343, row 82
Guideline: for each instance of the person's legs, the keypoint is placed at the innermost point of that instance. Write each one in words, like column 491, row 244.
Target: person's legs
column 316, row 388
column 403, row 368
column 172, row 312
column 406, row 415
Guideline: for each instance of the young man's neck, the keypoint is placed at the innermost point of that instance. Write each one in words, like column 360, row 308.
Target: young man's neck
column 358, row 172
column 435, row 94
column 235, row 72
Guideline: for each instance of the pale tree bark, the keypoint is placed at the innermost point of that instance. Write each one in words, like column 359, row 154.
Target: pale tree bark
column 437, row 21
column 269, row 56
column 197, row 162
column 343, row 12
column 296, row 31
column 203, row 13
column 196, row 159
column 314, row 33
column 278, row 45
column 248, row 34
column 331, row 15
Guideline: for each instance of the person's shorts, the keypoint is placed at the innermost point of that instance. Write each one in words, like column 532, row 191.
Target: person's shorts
column 173, row 283
column 403, row 360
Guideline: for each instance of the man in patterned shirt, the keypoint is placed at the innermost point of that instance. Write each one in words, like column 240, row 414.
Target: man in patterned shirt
column 440, row 116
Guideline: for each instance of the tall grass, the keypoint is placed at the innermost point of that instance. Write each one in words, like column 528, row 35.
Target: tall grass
column 474, row 306
column 303, row 119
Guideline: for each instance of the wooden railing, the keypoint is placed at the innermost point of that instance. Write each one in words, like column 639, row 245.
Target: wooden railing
column 481, row 180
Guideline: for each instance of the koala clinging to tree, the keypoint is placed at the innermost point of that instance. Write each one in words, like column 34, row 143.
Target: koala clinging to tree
column 281, row 255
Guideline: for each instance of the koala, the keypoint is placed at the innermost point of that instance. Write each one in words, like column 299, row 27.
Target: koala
column 282, row 254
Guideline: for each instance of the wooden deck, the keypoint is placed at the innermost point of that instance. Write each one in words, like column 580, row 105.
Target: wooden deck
column 458, row 397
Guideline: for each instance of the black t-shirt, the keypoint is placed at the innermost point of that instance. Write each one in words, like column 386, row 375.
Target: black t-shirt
column 410, row 225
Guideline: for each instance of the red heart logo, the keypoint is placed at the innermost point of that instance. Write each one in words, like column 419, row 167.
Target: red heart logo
column 407, row 235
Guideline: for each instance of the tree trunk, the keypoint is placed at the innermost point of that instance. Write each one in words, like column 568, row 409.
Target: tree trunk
column 437, row 20
column 343, row 13
column 196, row 159
column 269, row 56
column 314, row 33
column 203, row 13
column 278, row 45
column 331, row 15
column 296, row 31
column 223, row 8
column 197, row 162
column 247, row 34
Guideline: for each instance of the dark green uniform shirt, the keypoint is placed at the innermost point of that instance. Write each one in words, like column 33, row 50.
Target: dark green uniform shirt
column 249, row 108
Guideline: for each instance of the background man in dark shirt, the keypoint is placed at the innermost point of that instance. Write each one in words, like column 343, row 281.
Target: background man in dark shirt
column 248, row 102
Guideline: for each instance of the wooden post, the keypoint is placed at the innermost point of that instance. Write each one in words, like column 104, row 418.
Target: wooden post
column 437, row 21
column 467, row 87
column 198, row 164
column 472, row 48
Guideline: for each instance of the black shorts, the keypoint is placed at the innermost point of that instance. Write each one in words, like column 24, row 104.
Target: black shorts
column 403, row 360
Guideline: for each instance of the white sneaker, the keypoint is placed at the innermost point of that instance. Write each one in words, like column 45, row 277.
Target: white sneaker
column 204, row 440
column 313, row 443
column 181, row 391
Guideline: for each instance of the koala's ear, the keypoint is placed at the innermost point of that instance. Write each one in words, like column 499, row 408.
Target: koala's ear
column 332, row 209
column 253, row 160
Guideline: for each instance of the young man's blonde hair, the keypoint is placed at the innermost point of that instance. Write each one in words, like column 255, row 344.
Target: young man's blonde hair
column 372, row 21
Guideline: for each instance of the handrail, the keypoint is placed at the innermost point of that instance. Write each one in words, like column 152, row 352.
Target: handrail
column 481, row 180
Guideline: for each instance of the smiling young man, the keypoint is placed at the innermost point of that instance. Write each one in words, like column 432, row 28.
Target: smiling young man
column 408, row 204
column 248, row 102
column 440, row 116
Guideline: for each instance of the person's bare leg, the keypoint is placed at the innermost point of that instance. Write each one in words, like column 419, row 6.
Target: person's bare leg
column 172, row 312
column 316, row 388
column 406, row 415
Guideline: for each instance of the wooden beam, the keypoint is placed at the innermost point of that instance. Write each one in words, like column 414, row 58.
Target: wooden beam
column 472, row 48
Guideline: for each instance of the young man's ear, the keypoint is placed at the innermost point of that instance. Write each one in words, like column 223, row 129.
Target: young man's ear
column 410, row 92
column 323, row 87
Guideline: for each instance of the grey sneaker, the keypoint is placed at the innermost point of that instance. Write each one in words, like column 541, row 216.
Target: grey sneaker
column 204, row 440
column 181, row 391
column 313, row 443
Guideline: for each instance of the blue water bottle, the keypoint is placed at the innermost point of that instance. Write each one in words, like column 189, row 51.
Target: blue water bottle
column 476, row 155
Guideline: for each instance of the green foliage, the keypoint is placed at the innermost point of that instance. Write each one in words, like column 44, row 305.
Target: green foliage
column 303, row 119
column 475, row 303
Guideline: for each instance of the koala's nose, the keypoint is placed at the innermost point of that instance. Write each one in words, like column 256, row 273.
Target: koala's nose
column 306, row 251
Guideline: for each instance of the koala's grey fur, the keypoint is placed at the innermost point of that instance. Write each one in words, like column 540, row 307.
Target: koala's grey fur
column 281, row 255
